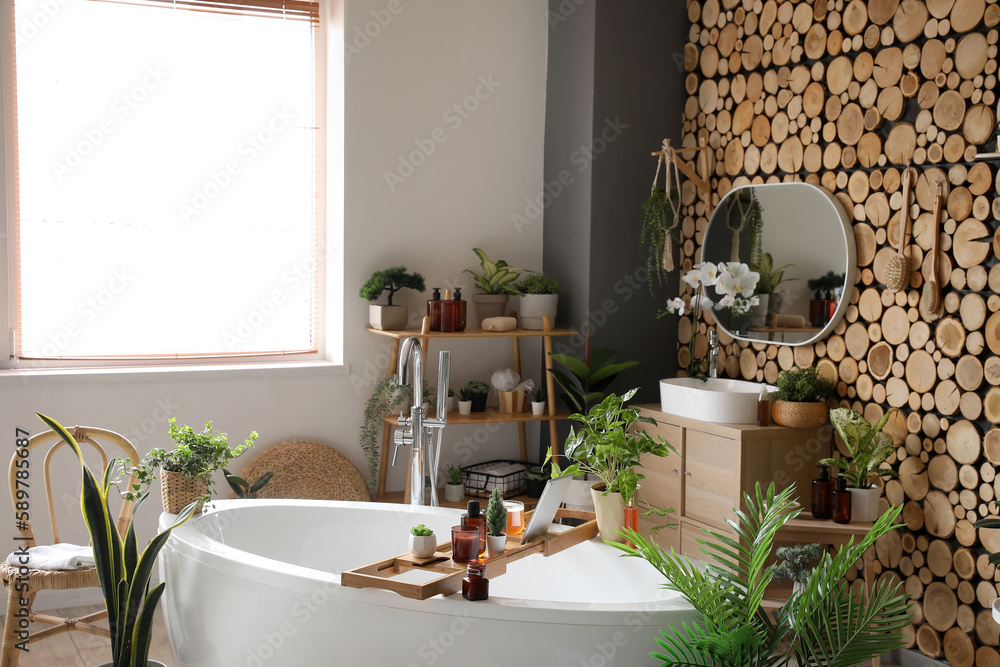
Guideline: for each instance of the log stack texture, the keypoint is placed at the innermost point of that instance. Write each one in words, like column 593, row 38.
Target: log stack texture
column 844, row 94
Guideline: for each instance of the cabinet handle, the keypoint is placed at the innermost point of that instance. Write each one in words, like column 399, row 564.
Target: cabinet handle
column 673, row 470
column 687, row 473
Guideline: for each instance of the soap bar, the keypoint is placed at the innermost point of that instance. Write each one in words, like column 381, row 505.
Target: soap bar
column 790, row 321
column 499, row 324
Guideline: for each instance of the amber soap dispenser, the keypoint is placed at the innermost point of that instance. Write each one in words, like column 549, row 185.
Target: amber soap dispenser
column 841, row 502
column 822, row 494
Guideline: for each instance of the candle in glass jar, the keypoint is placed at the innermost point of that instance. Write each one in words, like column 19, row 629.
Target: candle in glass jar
column 464, row 544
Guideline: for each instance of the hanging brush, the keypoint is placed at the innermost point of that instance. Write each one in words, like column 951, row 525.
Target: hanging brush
column 897, row 271
column 930, row 300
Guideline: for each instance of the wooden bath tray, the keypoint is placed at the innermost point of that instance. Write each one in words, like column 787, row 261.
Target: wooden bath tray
column 449, row 580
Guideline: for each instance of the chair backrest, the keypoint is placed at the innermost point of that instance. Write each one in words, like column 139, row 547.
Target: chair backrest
column 84, row 435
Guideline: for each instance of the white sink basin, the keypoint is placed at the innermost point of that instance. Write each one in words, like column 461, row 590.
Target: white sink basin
column 718, row 400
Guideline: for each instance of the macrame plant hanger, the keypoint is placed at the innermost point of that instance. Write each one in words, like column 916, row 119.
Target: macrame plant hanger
column 674, row 164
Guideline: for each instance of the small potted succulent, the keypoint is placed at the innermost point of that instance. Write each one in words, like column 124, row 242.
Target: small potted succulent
column 868, row 447
column 496, row 284
column 422, row 541
column 389, row 317
column 464, row 401
column 478, row 393
column 539, row 297
column 454, row 490
column 801, row 398
column 496, row 525
column 535, row 478
column 538, row 401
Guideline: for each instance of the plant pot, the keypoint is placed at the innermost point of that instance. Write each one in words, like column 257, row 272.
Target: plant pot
column 776, row 304
column 800, row 415
column 423, row 546
column 864, row 504
column 534, row 307
column 178, row 491
column 464, row 407
column 495, row 544
column 758, row 313
column 489, row 305
column 454, row 493
column 610, row 510
column 538, row 408
column 387, row 318
column 450, row 405
column 512, row 401
column 479, row 402
column 534, row 487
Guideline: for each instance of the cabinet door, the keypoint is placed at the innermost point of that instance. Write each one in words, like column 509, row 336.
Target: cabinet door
column 662, row 486
column 711, row 477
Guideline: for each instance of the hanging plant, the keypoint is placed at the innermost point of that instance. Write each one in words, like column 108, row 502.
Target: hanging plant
column 656, row 236
column 755, row 230
column 385, row 399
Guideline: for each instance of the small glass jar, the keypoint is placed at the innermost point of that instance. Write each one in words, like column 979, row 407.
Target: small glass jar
column 464, row 544
column 475, row 585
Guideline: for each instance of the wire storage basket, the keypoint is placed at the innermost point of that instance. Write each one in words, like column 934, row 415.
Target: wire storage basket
column 506, row 475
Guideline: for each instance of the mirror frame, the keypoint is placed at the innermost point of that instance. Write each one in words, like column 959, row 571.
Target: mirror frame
column 850, row 271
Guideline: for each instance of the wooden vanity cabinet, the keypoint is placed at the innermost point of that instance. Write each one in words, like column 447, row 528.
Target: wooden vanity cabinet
column 714, row 465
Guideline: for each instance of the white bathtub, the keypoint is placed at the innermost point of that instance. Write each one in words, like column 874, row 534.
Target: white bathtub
column 255, row 583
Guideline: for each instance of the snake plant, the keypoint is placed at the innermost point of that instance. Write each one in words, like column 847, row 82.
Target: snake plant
column 827, row 624
column 123, row 571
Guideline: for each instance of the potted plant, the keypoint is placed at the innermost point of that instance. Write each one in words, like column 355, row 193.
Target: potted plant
column 538, row 401
column 389, row 317
column 539, row 297
column 606, row 446
column 496, row 284
column 868, row 447
column 796, row 565
column 801, row 398
column 422, row 541
column 454, row 490
column 244, row 489
column 535, row 478
column 770, row 278
column 829, row 623
column 657, row 236
column 478, row 393
column 464, row 401
column 122, row 570
column 590, row 376
column 186, row 470
column 496, row 525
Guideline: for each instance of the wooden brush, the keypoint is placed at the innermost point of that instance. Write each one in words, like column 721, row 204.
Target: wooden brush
column 897, row 271
column 930, row 299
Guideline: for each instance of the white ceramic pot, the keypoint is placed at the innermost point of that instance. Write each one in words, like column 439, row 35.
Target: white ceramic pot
column 758, row 313
column 450, row 405
column 454, row 493
column 534, row 307
column 489, row 305
column 423, row 546
column 610, row 511
column 864, row 504
column 495, row 544
column 538, row 408
column 387, row 318
column 464, row 407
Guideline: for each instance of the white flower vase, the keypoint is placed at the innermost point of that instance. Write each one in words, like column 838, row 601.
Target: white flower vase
column 423, row 546
column 496, row 544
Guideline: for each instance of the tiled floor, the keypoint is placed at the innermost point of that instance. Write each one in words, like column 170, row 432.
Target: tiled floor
column 79, row 649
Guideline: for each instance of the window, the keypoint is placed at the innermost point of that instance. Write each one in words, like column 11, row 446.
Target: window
column 167, row 160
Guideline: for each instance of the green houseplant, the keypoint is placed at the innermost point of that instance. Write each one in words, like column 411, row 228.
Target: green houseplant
column 606, row 445
column 868, row 447
column 590, row 376
column 800, row 401
column 496, row 282
column 496, row 524
column 386, row 397
column 389, row 317
column 478, row 392
column 186, row 469
column 656, row 237
column 539, row 298
column 122, row 570
column 827, row 624
column 796, row 564
column 535, row 478
column 423, row 542
column 454, row 490
column 770, row 278
column 244, row 489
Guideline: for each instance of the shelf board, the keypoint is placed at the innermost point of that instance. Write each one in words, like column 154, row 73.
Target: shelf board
column 472, row 332
column 489, row 417
column 397, row 497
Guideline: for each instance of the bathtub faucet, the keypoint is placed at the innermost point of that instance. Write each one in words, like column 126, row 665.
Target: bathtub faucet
column 418, row 431
column 713, row 354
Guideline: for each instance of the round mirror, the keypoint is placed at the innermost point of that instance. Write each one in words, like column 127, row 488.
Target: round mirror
column 799, row 239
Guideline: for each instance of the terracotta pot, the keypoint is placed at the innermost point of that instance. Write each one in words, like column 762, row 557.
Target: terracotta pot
column 489, row 305
column 864, row 504
column 387, row 318
column 800, row 415
column 610, row 510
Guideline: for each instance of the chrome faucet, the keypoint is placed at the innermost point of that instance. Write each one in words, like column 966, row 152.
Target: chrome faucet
column 713, row 354
column 425, row 449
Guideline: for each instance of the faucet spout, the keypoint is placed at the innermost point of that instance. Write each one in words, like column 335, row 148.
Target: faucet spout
column 713, row 354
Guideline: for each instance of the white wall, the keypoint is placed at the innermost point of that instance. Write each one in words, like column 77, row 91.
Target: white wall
column 399, row 88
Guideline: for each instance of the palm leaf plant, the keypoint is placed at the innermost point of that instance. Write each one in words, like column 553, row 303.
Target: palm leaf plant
column 123, row 571
column 826, row 625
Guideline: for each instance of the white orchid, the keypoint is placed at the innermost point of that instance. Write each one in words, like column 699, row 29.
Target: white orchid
column 701, row 302
column 707, row 273
column 726, row 302
column 675, row 305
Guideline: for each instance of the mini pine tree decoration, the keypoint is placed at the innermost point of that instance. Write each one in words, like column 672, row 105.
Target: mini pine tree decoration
column 496, row 515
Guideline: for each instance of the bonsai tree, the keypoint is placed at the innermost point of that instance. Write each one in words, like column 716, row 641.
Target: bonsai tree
column 796, row 563
column 496, row 515
column 390, row 280
column 803, row 385
column 538, row 283
column 827, row 624
column 496, row 277
column 867, row 445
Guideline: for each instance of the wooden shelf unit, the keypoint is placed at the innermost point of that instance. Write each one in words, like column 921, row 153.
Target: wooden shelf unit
column 425, row 335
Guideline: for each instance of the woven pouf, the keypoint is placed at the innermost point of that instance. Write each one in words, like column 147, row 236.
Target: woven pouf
column 309, row 470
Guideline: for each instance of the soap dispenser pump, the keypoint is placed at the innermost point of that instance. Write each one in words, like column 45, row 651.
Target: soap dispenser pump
column 822, row 494
column 434, row 310
column 841, row 502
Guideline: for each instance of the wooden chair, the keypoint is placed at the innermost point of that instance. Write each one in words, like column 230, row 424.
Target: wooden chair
column 39, row 580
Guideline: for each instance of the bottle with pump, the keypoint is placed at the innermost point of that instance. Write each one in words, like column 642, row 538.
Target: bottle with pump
column 434, row 309
column 822, row 494
column 763, row 407
column 460, row 310
column 447, row 312
column 474, row 517
column 841, row 502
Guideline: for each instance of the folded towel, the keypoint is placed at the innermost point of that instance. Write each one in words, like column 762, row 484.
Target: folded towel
column 501, row 470
column 53, row 557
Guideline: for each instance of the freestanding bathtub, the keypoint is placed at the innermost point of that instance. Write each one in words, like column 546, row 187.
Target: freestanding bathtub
column 256, row 583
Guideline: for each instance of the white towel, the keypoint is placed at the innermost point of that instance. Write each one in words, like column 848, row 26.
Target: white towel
column 53, row 557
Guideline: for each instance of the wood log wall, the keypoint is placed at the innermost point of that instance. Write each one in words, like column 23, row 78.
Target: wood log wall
column 843, row 94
